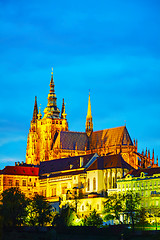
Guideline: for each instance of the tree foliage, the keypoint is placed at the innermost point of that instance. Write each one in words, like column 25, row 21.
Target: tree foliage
column 13, row 208
column 113, row 207
column 131, row 203
column 93, row 220
column 65, row 217
column 42, row 210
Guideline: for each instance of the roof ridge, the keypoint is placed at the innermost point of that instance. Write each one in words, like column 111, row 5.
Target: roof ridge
column 109, row 129
column 72, row 132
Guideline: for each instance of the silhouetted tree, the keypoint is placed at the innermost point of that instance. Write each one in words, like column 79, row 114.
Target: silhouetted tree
column 42, row 210
column 13, row 208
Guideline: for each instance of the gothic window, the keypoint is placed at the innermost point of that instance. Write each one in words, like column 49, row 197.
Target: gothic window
column 94, row 184
column 88, row 185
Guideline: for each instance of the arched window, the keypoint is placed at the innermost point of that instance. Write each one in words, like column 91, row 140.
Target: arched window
column 88, row 185
column 94, row 184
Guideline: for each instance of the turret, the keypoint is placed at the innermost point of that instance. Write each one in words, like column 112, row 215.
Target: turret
column 89, row 124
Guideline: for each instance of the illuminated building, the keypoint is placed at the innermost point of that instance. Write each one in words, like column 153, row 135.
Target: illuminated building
column 49, row 137
column 144, row 182
column 81, row 181
column 26, row 178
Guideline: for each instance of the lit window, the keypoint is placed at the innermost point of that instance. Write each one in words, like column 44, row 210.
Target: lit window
column 17, row 183
column 88, row 185
column 24, row 183
column 10, row 182
column 53, row 192
column 94, row 184
column 64, row 188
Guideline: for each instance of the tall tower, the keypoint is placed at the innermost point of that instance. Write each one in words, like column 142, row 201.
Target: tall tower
column 43, row 138
column 89, row 123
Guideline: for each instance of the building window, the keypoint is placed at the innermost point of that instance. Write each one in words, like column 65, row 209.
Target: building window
column 10, row 182
column 126, row 185
column 34, row 184
column 97, row 206
column 88, row 185
column 17, row 183
column 82, row 208
column 53, row 192
column 64, row 188
column 24, row 183
column 155, row 184
column 90, row 208
column 94, row 184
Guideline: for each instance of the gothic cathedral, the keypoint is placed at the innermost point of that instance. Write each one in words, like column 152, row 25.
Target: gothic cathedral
column 49, row 137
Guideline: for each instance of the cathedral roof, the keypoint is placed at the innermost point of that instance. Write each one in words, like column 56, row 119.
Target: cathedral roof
column 111, row 137
column 74, row 140
column 110, row 161
column 18, row 170
column 108, row 137
column 64, row 164
column 147, row 171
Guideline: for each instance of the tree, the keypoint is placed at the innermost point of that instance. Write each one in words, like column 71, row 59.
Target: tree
column 142, row 216
column 42, row 210
column 155, row 214
column 13, row 208
column 131, row 206
column 66, row 217
column 93, row 220
column 113, row 207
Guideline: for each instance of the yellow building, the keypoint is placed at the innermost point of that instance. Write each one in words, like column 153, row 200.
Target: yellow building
column 49, row 137
column 81, row 181
column 144, row 182
column 26, row 178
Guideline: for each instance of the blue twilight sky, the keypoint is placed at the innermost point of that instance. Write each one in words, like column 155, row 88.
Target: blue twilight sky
column 109, row 47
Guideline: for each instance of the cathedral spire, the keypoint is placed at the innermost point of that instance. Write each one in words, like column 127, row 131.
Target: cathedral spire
column 89, row 124
column 51, row 111
column 63, row 112
column 35, row 111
